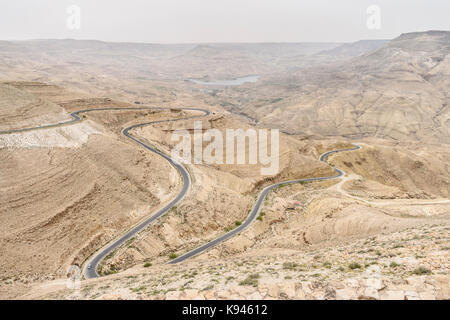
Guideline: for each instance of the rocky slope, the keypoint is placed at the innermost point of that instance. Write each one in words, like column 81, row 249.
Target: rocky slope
column 412, row 264
column 19, row 108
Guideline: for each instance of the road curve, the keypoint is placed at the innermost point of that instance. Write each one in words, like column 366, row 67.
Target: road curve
column 91, row 265
column 258, row 205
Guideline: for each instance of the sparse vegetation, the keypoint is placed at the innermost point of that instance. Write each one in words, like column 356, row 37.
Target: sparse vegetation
column 110, row 255
column 251, row 280
column 261, row 215
column 421, row 271
column 354, row 265
column 138, row 289
column 229, row 228
column 289, row 265
column 172, row 255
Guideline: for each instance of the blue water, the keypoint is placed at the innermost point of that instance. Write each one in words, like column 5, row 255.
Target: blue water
column 230, row 82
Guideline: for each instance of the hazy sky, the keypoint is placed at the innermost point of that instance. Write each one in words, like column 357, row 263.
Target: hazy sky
column 180, row 21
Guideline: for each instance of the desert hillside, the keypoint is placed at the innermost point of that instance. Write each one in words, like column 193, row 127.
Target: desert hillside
column 398, row 92
column 19, row 109
column 379, row 231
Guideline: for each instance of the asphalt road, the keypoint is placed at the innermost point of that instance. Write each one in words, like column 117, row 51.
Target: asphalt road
column 258, row 205
column 91, row 265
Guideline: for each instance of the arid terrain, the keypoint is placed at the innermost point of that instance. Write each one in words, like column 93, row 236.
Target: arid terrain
column 382, row 231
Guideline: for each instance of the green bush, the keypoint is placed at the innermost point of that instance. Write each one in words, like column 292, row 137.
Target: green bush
column 261, row 215
column 148, row 264
column 421, row 270
column 354, row 265
column 238, row 223
column 172, row 255
column 251, row 280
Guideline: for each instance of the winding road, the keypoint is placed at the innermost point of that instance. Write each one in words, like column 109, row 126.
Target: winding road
column 258, row 205
column 91, row 264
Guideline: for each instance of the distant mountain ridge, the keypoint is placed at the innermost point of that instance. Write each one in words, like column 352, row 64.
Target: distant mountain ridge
column 399, row 91
column 395, row 89
column 355, row 48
